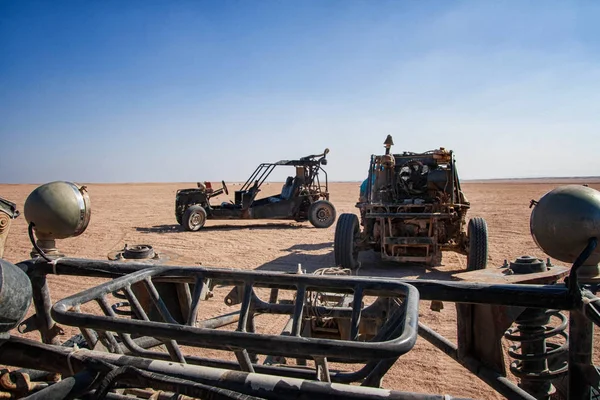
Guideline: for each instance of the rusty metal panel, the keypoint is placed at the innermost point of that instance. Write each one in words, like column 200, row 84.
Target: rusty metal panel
column 502, row 276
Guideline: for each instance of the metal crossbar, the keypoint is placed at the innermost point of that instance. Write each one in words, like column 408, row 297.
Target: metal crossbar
column 396, row 337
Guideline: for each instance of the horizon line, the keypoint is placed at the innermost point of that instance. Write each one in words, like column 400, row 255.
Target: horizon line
column 481, row 180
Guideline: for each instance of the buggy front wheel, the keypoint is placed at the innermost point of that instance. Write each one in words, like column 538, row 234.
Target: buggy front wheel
column 344, row 245
column 321, row 214
column 194, row 218
column 478, row 244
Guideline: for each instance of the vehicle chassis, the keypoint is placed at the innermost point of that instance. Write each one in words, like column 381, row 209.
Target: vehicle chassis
column 412, row 210
column 131, row 364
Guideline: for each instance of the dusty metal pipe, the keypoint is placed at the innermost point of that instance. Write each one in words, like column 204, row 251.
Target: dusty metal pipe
column 496, row 381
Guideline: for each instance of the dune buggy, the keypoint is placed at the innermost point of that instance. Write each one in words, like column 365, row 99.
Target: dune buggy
column 302, row 197
column 411, row 207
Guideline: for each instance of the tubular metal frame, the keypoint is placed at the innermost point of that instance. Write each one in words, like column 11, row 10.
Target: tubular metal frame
column 582, row 304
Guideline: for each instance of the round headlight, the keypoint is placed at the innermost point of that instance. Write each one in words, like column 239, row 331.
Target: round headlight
column 563, row 221
column 58, row 210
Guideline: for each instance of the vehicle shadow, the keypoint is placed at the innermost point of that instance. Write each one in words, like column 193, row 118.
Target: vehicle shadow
column 310, row 247
column 289, row 262
column 174, row 228
column 276, row 225
column 371, row 264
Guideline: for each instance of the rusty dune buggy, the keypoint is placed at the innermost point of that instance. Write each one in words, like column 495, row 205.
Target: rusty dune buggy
column 302, row 197
column 411, row 209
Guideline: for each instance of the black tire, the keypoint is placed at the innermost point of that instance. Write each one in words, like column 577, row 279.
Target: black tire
column 478, row 244
column 178, row 217
column 321, row 214
column 344, row 249
column 194, row 218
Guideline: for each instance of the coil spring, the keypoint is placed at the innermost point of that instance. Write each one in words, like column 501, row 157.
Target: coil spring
column 534, row 358
column 122, row 307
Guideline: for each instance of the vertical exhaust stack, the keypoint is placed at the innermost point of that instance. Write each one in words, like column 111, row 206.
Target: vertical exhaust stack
column 388, row 160
column 389, row 142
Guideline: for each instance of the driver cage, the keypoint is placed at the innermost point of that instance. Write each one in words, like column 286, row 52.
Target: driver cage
column 308, row 171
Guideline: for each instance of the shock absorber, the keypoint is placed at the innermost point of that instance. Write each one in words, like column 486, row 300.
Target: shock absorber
column 537, row 361
column 539, row 346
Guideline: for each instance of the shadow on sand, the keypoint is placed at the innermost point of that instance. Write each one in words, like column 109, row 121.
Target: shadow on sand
column 310, row 247
column 174, row 228
column 371, row 264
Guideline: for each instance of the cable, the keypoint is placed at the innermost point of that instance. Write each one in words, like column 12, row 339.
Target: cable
column 35, row 246
column 573, row 285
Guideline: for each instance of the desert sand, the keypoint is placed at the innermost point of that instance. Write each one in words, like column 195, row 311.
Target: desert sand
column 144, row 214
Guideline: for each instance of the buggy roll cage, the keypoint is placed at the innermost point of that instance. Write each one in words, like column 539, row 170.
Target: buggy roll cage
column 312, row 163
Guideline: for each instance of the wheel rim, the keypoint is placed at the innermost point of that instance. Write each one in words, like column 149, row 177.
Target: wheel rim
column 196, row 219
column 323, row 214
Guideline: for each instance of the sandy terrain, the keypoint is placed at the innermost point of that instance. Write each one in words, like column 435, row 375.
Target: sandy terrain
column 144, row 213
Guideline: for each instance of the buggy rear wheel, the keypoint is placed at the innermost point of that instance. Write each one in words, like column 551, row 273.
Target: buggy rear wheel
column 345, row 251
column 321, row 214
column 194, row 218
column 478, row 244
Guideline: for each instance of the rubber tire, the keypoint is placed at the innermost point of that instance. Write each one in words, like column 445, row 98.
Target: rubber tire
column 187, row 218
column 313, row 211
column 343, row 245
column 478, row 244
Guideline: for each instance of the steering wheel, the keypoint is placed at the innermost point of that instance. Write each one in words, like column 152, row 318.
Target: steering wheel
column 225, row 188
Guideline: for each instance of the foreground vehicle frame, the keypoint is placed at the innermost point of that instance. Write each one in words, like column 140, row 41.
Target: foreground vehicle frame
column 302, row 198
column 285, row 381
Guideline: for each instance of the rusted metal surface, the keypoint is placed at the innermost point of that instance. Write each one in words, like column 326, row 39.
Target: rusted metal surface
column 401, row 328
column 580, row 356
column 482, row 294
column 506, row 276
column 481, row 327
column 62, row 360
column 137, row 334
column 412, row 208
column 491, row 376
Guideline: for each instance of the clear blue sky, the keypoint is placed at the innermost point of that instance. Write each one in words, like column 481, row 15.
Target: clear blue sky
column 142, row 91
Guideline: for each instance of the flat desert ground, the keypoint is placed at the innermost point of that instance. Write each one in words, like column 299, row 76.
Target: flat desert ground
column 144, row 214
